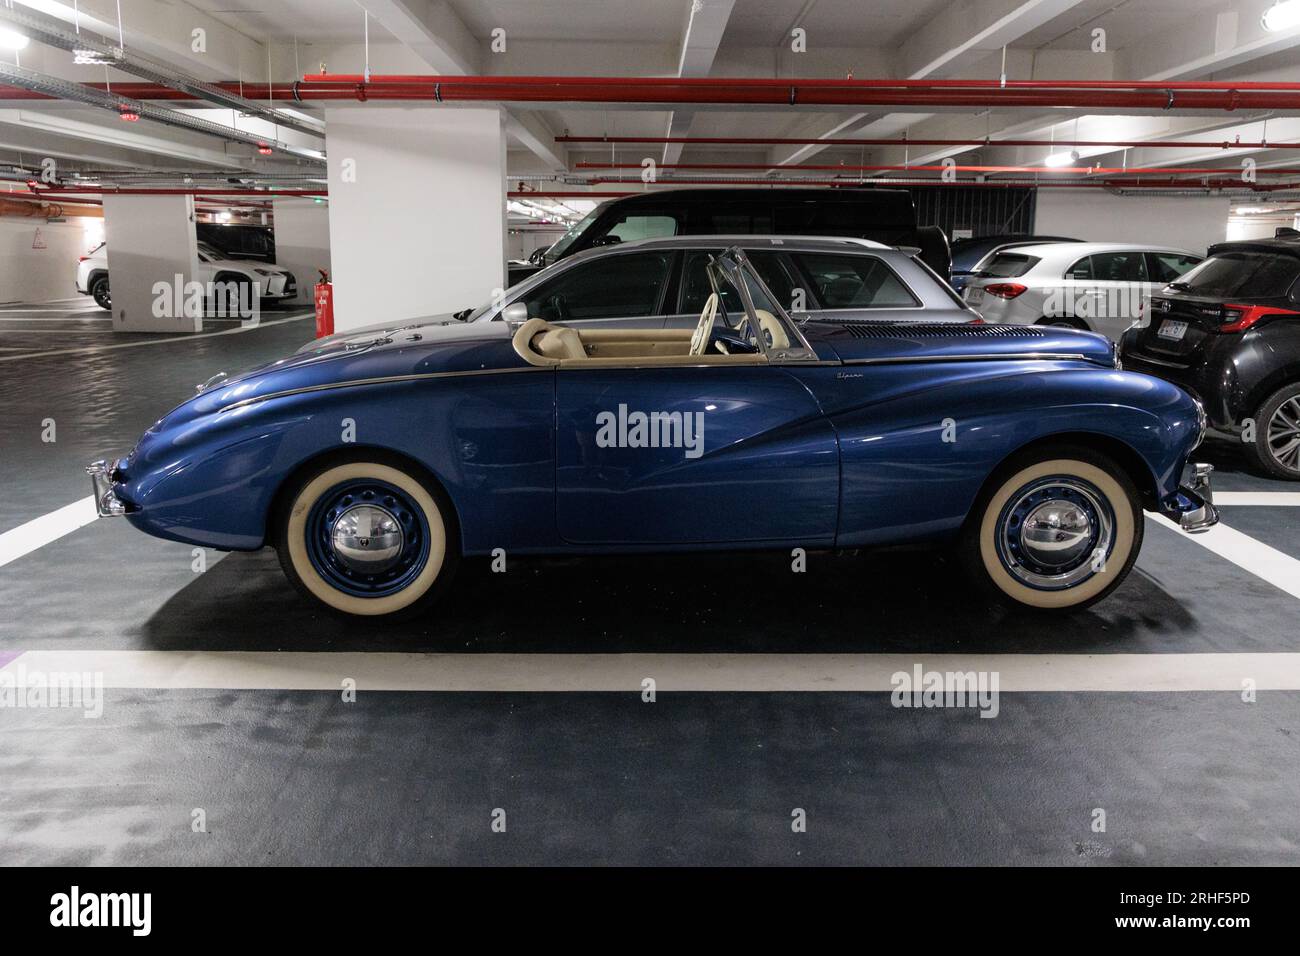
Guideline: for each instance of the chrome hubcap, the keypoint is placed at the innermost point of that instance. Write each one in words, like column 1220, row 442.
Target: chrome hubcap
column 1055, row 533
column 367, row 538
column 1284, row 434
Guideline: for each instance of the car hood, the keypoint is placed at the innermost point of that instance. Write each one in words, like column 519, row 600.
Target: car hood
column 856, row 342
column 428, row 323
column 397, row 350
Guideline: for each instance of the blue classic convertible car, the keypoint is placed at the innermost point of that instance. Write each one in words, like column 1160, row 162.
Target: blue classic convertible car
column 373, row 463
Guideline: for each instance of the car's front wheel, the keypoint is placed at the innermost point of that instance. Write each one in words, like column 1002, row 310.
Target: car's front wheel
column 1276, row 448
column 1057, row 527
column 367, row 537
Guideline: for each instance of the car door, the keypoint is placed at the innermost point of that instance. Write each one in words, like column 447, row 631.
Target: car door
column 623, row 290
column 1107, row 297
column 694, row 288
column 667, row 456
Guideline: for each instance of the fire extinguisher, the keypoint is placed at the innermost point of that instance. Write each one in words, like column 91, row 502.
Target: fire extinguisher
column 324, row 305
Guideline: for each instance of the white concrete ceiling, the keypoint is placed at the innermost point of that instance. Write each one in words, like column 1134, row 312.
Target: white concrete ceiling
column 1045, row 39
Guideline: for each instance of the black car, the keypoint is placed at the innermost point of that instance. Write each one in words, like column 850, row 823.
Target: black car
column 1228, row 331
column 882, row 215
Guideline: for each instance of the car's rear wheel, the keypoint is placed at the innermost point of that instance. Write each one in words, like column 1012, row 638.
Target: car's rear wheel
column 1057, row 527
column 368, row 538
column 99, row 292
column 1276, row 448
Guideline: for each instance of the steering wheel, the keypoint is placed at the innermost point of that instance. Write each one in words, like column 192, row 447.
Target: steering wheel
column 704, row 329
column 772, row 330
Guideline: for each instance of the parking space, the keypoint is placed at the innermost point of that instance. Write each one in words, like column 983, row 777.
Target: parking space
column 225, row 691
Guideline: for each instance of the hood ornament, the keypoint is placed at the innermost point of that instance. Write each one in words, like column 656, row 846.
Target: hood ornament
column 214, row 380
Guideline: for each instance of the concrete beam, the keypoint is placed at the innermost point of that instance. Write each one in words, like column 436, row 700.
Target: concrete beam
column 944, row 48
column 705, row 25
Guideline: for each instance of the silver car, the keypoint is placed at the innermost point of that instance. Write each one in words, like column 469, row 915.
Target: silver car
column 1094, row 286
column 661, row 283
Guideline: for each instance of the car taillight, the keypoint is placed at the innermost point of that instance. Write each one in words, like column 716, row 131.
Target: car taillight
column 82, row 258
column 1005, row 290
column 1238, row 318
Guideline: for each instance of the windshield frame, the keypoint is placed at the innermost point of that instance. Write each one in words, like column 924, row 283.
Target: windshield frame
column 733, row 267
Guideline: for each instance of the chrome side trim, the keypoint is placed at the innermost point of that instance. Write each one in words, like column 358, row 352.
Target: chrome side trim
column 983, row 357
column 386, row 380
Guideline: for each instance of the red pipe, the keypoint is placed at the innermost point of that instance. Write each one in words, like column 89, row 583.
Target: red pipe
column 1088, row 170
column 818, row 141
column 521, row 194
column 1102, row 184
column 147, row 191
column 793, row 92
column 746, row 91
column 404, row 79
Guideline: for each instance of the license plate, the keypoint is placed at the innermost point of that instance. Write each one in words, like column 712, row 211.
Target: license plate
column 974, row 294
column 1172, row 329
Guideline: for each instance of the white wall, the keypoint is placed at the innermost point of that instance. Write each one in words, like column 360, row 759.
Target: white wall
column 43, row 275
column 151, row 239
column 302, row 241
column 421, row 228
column 1186, row 222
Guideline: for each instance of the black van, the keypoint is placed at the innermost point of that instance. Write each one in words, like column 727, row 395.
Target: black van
column 885, row 215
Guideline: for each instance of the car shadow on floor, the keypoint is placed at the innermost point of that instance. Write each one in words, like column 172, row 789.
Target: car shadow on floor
column 908, row 602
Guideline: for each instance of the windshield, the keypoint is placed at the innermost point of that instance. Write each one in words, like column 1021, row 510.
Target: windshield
column 1258, row 275
column 747, row 308
column 562, row 244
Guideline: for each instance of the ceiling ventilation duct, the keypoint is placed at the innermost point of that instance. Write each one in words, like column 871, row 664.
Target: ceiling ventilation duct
column 78, row 92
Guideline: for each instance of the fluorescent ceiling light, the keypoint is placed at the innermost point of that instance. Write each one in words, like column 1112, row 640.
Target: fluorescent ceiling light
column 12, row 39
column 1062, row 159
column 1282, row 16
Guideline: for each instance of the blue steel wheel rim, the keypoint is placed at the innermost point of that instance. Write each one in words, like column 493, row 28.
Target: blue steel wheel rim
column 333, row 504
column 1043, row 498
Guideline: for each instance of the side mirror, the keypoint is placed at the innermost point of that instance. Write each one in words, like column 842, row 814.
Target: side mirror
column 515, row 312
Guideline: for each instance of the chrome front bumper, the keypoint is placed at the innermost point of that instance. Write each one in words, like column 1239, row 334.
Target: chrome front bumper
column 1193, row 504
column 107, row 504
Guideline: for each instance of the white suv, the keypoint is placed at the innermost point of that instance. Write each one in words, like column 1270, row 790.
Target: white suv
column 272, row 283
column 1095, row 286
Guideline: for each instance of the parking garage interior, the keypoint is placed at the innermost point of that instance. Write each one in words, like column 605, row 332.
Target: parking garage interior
column 378, row 164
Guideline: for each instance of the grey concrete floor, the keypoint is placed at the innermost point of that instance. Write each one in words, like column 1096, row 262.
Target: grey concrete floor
column 292, row 776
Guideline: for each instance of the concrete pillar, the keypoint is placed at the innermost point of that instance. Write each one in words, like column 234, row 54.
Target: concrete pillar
column 417, row 210
column 302, row 241
column 150, row 244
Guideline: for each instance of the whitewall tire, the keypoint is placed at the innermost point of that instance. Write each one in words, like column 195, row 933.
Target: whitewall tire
column 1055, row 529
column 367, row 538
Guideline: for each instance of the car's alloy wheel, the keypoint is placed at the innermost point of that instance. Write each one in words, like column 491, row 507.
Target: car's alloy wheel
column 1057, row 529
column 366, row 538
column 99, row 292
column 1276, row 448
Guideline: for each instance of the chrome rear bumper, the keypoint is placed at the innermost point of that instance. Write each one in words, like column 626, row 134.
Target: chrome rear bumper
column 107, row 504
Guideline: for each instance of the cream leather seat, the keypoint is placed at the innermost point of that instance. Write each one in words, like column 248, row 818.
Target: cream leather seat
column 560, row 343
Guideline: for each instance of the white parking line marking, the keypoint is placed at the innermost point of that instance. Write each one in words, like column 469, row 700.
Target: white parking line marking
column 323, row 671
column 39, row 532
column 1280, row 498
column 1278, row 569
column 179, row 337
